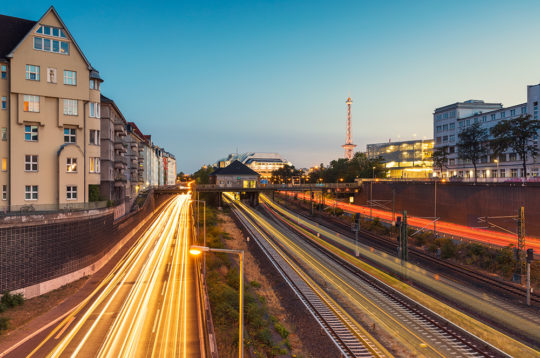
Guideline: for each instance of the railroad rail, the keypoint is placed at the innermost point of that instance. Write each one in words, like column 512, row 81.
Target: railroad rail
column 400, row 304
column 351, row 339
column 389, row 246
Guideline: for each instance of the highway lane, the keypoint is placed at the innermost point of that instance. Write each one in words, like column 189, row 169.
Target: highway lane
column 479, row 301
column 482, row 235
column 146, row 306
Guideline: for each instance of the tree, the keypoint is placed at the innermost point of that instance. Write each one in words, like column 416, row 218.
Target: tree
column 440, row 158
column 516, row 134
column 472, row 144
column 286, row 172
column 202, row 176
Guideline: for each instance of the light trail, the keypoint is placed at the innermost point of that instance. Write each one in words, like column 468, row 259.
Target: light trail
column 481, row 235
column 141, row 308
column 477, row 301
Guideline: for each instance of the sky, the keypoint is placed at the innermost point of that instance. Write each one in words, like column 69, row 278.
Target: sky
column 209, row 78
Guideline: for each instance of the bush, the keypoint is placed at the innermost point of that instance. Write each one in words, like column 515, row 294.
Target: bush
column 448, row 248
column 283, row 332
column 4, row 323
column 9, row 300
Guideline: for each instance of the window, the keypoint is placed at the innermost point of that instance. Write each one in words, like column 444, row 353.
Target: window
column 4, row 164
column 31, row 192
column 71, row 165
column 51, row 75
column 445, row 138
column 70, row 135
column 503, row 114
column 502, row 173
column 494, row 173
column 70, row 107
column 94, row 137
column 30, row 163
column 513, row 173
column 439, row 129
column 523, row 110
column 51, row 31
column 31, row 103
column 445, row 127
column 492, row 117
column 461, row 124
column 70, row 78
column 438, row 139
column 4, row 102
column 512, row 157
column 71, row 192
column 3, row 69
column 512, row 112
column 32, row 72
column 4, row 134
column 468, row 122
column 94, row 109
column 94, row 84
column 452, row 161
column 4, row 192
column 445, row 116
column 452, row 126
column 43, row 44
column 452, row 138
column 94, row 165
column 475, row 119
column 30, row 133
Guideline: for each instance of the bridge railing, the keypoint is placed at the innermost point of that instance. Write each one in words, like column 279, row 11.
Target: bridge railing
column 277, row 186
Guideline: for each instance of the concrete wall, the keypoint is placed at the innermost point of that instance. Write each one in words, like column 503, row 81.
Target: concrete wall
column 461, row 203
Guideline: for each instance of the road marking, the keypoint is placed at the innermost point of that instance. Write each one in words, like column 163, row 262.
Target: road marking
column 155, row 321
column 65, row 327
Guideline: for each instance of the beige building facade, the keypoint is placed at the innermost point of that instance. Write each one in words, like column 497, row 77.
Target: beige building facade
column 49, row 116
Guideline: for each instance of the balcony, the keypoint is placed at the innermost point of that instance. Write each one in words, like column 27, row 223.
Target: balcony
column 120, row 129
column 119, row 146
column 119, row 165
column 133, row 146
column 119, row 179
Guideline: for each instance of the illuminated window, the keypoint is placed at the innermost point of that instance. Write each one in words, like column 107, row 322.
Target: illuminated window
column 4, row 164
column 70, row 135
column 71, row 192
column 70, row 78
column 71, row 165
column 30, row 133
column 30, row 163
column 31, row 192
column 70, row 107
column 32, row 72
column 31, row 103
column 94, row 165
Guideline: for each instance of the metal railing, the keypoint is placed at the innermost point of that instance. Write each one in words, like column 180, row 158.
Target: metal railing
column 37, row 209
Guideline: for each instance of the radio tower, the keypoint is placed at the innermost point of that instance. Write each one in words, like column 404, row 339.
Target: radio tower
column 349, row 146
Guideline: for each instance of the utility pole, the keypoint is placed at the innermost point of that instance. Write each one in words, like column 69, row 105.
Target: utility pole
column 435, row 212
column 357, row 227
column 404, row 237
column 393, row 206
column 520, row 244
column 530, row 255
column 371, row 200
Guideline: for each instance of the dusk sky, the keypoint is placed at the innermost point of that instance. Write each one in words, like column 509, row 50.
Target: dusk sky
column 206, row 78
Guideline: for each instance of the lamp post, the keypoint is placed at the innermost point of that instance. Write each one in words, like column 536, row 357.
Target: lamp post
column 497, row 161
column 197, row 250
column 204, row 229
column 371, row 195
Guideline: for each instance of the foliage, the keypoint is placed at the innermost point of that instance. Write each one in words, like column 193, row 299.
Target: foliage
column 286, row 172
column 4, row 323
column 283, row 332
column 516, row 134
column 472, row 145
column 440, row 158
column 12, row 300
column 202, row 176
column 344, row 170
column 93, row 193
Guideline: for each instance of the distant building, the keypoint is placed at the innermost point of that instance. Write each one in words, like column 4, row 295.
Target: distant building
column 405, row 159
column 262, row 163
column 234, row 175
column 449, row 120
column 49, row 114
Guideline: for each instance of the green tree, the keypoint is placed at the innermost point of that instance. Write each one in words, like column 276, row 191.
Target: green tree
column 516, row 134
column 472, row 145
column 202, row 176
column 440, row 158
column 287, row 172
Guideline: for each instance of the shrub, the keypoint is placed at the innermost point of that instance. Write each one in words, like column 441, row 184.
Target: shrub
column 283, row 332
column 9, row 300
column 4, row 323
column 448, row 248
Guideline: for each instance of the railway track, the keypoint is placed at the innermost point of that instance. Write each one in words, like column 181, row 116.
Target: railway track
column 351, row 339
column 461, row 342
column 389, row 246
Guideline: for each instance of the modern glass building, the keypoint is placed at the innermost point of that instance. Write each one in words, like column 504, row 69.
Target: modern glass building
column 407, row 159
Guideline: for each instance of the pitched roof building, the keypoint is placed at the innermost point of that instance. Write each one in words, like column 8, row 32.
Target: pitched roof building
column 234, row 175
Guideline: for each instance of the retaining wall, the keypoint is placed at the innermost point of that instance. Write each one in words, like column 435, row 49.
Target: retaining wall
column 461, row 203
column 36, row 257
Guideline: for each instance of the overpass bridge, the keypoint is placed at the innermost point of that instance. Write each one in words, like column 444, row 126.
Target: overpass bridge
column 216, row 188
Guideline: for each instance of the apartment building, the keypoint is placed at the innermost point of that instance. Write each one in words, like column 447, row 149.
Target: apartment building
column 135, row 142
column 49, row 114
column 449, row 120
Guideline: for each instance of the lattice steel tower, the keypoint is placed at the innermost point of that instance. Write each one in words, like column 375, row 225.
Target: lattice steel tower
column 349, row 146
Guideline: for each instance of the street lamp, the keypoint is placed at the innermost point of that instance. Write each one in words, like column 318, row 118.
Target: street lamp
column 204, row 228
column 197, row 250
column 497, row 161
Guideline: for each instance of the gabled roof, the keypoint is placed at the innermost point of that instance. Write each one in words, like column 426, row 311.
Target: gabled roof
column 235, row 168
column 12, row 31
column 29, row 26
column 107, row 100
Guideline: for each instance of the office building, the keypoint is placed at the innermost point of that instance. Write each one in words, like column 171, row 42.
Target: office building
column 405, row 159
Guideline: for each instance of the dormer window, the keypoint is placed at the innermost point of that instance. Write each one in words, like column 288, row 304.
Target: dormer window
column 94, row 85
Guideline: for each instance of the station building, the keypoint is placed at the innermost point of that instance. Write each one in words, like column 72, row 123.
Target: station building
column 262, row 163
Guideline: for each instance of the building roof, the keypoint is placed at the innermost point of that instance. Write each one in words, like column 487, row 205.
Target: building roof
column 107, row 100
column 235, row 168
column 12, row 31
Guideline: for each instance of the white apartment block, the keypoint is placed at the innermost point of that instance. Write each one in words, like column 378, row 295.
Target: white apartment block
column 449, row 120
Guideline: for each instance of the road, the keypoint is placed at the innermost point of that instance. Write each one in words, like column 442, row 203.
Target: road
column 485, row 236
column 146, row 306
